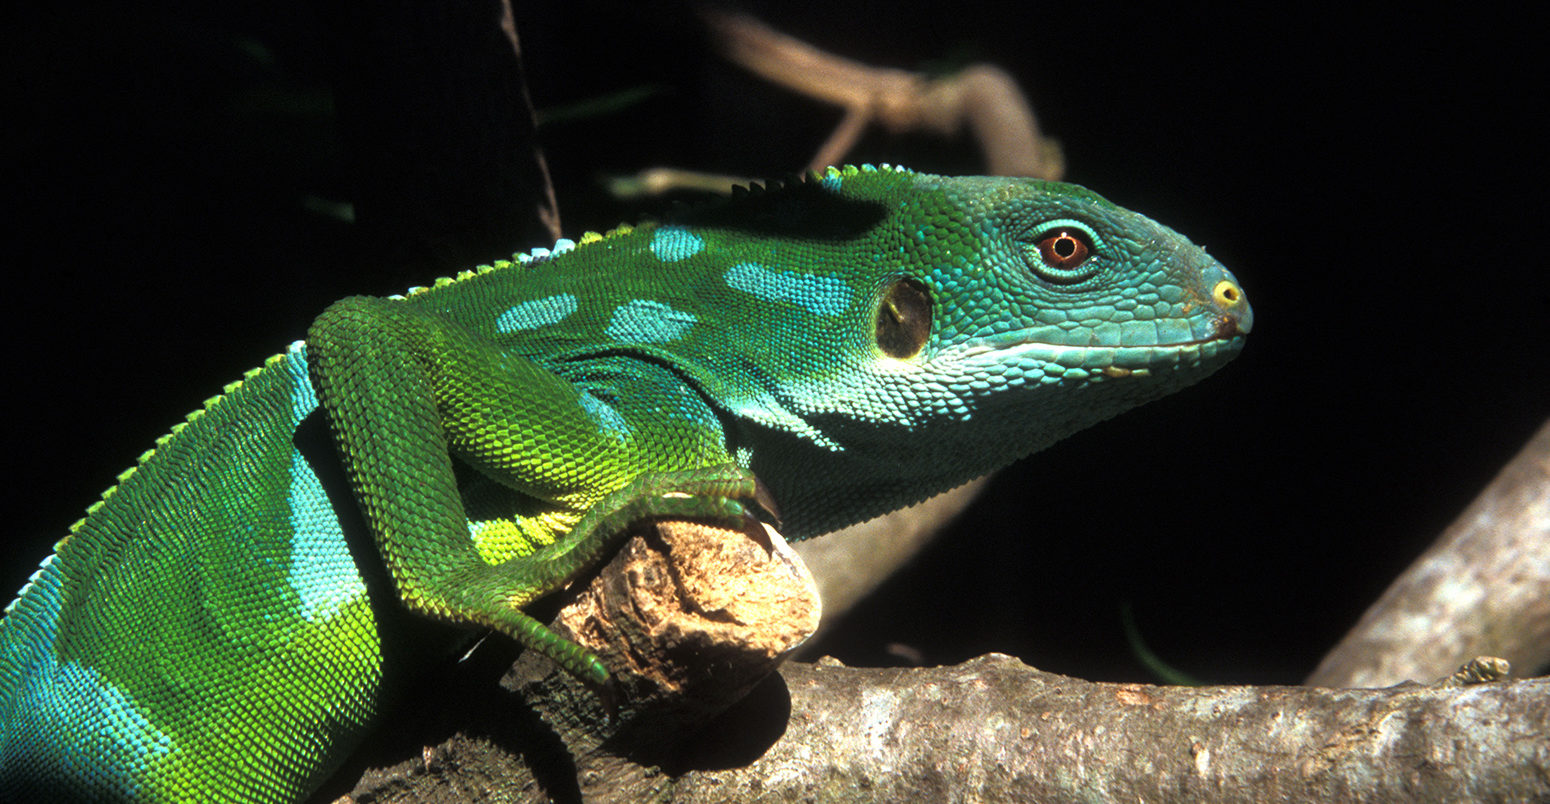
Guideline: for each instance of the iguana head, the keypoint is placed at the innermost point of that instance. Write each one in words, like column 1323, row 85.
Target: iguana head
column 1004, row 315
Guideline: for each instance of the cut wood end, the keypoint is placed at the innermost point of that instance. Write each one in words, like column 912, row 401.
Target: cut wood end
column 697, row 609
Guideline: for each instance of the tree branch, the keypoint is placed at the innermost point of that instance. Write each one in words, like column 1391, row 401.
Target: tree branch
column 982, row 98
column 1481, row 589
column 700, row 614
column 995, row 729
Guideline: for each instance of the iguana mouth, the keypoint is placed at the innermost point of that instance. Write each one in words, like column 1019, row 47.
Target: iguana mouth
column 1224, row 343
column 1226, row 327
column 1119, row 361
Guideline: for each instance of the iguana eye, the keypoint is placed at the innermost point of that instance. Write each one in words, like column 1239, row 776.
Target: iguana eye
column 1065, row 252
column 1064, row 249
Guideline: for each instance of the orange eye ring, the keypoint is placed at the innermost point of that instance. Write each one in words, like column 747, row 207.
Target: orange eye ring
column 1064, row 249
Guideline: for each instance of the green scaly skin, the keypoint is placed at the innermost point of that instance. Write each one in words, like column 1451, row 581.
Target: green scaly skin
column 227, row 622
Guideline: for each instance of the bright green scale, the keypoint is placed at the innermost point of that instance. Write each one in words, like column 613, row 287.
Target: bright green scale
column 227, row 621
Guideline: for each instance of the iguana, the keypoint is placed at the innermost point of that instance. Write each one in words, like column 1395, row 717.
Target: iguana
column 230, row 618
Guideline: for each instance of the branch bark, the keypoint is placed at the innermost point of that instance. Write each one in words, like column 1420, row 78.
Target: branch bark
column 981, row 98
column 995, row 729
column 701, row 614
column 1482, row 589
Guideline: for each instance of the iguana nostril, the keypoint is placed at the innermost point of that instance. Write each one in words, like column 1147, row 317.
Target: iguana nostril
column 1237, row 318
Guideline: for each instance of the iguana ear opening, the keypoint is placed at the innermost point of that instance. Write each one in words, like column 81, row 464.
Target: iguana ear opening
column 904, row 319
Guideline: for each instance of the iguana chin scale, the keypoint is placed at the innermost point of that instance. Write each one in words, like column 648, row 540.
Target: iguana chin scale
column 228, row 620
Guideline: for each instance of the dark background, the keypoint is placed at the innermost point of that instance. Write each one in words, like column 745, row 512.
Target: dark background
column 1375, row 182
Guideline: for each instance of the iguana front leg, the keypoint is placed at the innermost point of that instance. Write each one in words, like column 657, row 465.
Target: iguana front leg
column 405, row 391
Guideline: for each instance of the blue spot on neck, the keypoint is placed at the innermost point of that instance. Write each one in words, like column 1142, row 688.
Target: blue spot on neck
column 824, row 295
column 536, row 313
column 642, row 321
column 674, row 243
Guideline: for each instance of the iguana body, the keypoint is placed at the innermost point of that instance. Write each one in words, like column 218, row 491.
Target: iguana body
column 228, row 620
